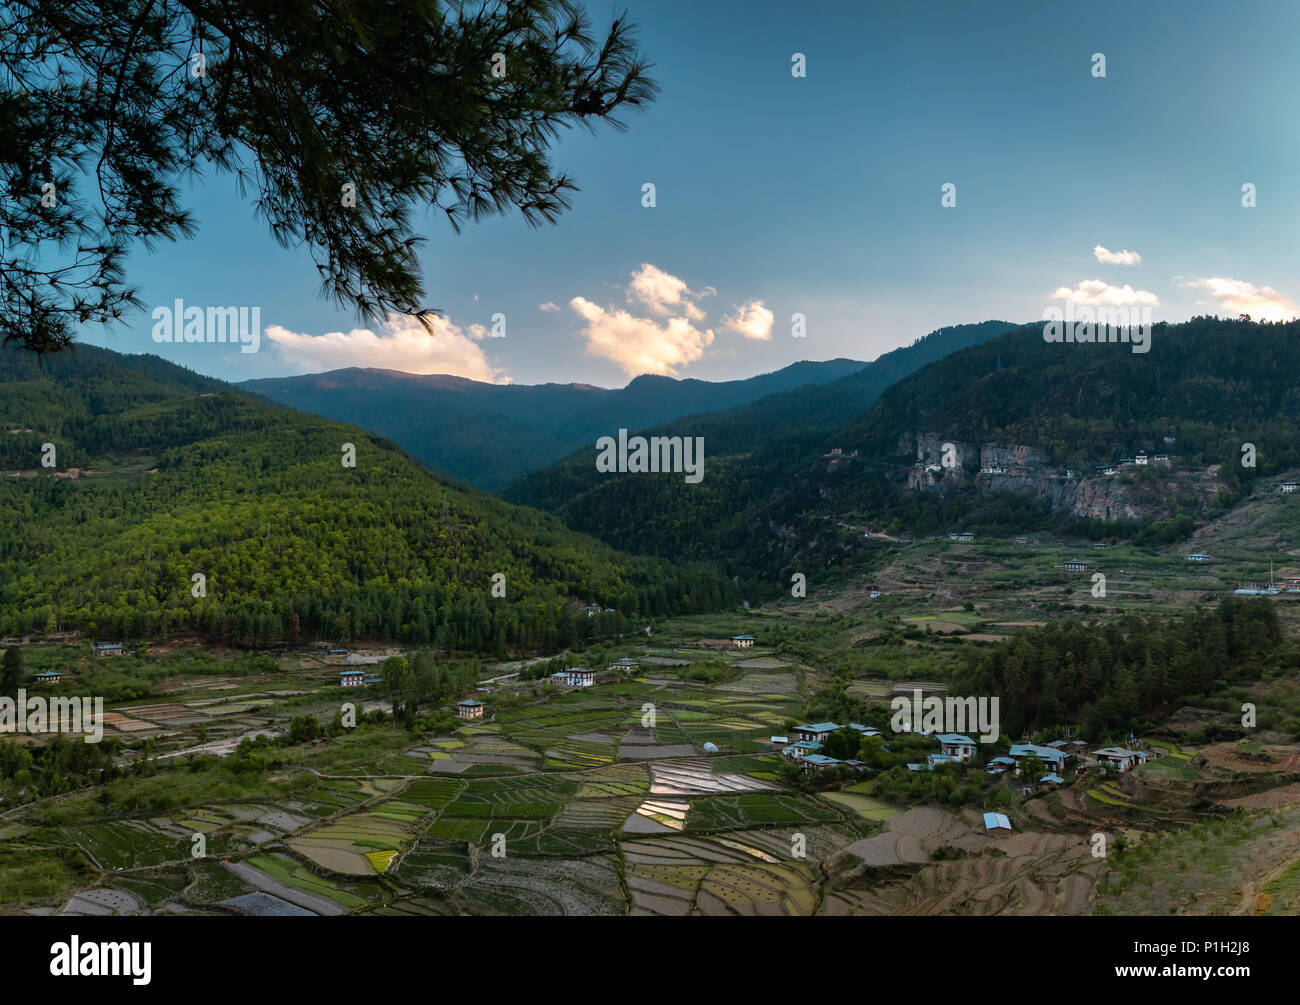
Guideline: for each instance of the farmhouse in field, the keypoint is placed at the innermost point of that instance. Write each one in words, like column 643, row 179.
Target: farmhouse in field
column 575, row 677
column 742, row 641
column 1198, row 556
column 107, row 649
column 1119, row 758
column 625, row 664
column 779, row 743
column 49, row 677
column 1074, row 565
column 1288, row 488
column 352, row 678
column 996, row 822
column 469, row 709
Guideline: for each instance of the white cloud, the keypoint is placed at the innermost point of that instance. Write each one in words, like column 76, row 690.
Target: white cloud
column 640, row 345
column 664, row 294
column 1262, row 303
column 1098, row 292
column 1116, row 257
column 550, row 307
column 753, row 320
column 402, row 344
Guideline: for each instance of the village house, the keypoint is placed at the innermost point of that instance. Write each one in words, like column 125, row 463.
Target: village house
column 742, row 641
column 1050, row 781
column 625, row 664
column 1119, row 758
column 1000, row 764
column 48, row 677
column 351, row 678
column 801, row 749
column 574, row 677
column 1198, row 556
column 1074, row 565
column 1161, row 459
column 107, row 649
column 938, row 760
column 965, row 537
column 1053, row 759
column 469, row 709
column 1141, row 460
column 1022, row 539
column 817, row 731
column 993, row 470
column 864, row 730
column 996, row 822
column 779, row 743
column 957, row 746
column 1287, row 488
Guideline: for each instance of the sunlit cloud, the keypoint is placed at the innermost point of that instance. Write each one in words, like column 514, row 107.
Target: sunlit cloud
column 1098, row 292
column 1116, row 257
column 1236, row 296
column 665, row 294
column 400, row 344
column 640, row 345
column 753, row 320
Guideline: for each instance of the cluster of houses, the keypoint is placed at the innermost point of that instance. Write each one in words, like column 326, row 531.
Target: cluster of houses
column 957, row 748
column 807, row 748
column 1142, row 460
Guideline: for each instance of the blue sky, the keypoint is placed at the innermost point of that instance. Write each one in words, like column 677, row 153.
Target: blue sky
column 821, row 196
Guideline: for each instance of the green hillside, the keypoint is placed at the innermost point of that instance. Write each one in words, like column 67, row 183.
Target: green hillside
column 182, row 475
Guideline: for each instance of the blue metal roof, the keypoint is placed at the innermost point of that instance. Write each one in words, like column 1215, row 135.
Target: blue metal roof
column 818, row 727
column 957, row 738
column 993, row 821
column 1052, row 778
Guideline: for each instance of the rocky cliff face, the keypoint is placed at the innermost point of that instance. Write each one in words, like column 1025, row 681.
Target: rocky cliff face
column 1019, row 468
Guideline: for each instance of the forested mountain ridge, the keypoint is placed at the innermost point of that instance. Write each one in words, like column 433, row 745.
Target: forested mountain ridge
column 488, row 434
column 1207, row 387
column 778, row 428
column 189, row 476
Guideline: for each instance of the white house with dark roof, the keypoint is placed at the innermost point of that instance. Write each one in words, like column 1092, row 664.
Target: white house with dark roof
column 469, row 709
column 957, row 746
column 1119, row 758
column 801, row 749
column 352, row 678
column 817, row 731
